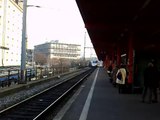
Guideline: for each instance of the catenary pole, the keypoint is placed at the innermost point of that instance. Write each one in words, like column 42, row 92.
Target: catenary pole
column 23, row 50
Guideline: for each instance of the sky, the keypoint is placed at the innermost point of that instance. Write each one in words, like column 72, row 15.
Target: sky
column 55, row 20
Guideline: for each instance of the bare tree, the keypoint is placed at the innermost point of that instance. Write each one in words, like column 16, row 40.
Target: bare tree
column 53, row 62
column 40, row 58
column 64, row 62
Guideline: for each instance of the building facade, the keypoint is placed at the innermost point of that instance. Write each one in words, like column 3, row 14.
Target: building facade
column 55, row 49
column 10, row 32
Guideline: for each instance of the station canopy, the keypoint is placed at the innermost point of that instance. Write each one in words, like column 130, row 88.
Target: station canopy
column 111, row 23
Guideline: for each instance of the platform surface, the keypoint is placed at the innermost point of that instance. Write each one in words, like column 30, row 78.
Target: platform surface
column 97, row 99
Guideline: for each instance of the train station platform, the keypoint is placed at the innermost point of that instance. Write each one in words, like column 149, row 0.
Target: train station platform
column 97, row 99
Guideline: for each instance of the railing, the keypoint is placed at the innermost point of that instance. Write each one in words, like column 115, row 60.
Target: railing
column 12, row 77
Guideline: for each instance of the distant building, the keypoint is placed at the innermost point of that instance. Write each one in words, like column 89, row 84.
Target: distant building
column 54, row 49
column 10, row 32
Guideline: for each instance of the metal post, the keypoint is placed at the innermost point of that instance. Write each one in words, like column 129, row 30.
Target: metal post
column 3, row 30
column 9, row 82
column 23, row 51
column 84, row 59
column 84, row 46
column 36, row 73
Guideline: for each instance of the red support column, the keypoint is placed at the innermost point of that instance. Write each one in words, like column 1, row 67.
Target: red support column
column 130, row 59
column 113, row 55
column 105, row 62
column 118, row 56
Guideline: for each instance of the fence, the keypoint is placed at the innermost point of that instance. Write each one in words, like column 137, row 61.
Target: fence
column 12, row 76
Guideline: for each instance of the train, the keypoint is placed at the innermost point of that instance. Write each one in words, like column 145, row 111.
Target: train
column 95, row 63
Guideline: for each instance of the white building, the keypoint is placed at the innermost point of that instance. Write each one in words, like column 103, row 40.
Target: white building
column 10, row 32
column 55, row 49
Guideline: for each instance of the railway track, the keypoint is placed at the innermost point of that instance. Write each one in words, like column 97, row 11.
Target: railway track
column 37, row 106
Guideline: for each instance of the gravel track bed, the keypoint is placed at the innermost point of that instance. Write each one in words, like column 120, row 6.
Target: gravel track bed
column 25, row 93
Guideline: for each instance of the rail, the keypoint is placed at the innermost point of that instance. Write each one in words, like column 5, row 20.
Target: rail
column 37, row 106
